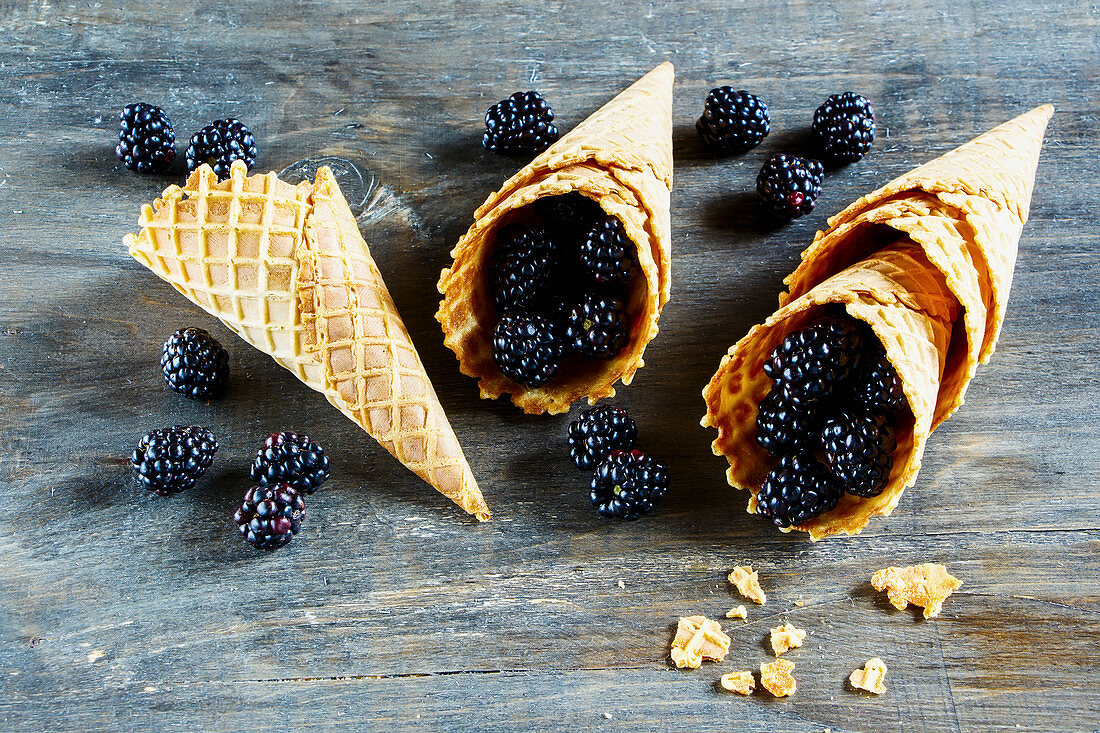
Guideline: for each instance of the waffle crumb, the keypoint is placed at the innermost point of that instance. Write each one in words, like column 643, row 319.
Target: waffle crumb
column 786, row 637
column 698, row 639
column 776, row 677
column 741, row 682
column 747, row 582
column 738, row 612
column 871, row 677
column 799, row 603
column 927, row 586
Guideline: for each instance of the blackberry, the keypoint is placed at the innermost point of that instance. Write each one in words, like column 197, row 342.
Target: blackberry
column 522, row 263
column 146, row 142
column 812, row 363
column 844, row 127
column 781, row 426
column 194, row 364
column 599, row 431
column 732, row 121
column 798, row 489
column 596, row 327
column 270, row 516
column 606, row 254
column 169, row 461
column 568, row 215
column 219, row 144
column 859, row 450
column 789, row 185
column 522, row 124
column 527, row 347
column 627, row 484
column 876, row 385
column 290, row 458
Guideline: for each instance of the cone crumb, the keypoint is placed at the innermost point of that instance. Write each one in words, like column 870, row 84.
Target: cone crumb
column 698, row 639
column 871, row 678
column 747, row 582
column 741, row 682
column 776, row 677
column 738, row 612
column 786, row 637
column 927, row 586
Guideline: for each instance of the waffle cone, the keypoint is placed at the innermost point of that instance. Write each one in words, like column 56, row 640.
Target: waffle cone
column 620, row 157
column 286, row 268
column 927, row 262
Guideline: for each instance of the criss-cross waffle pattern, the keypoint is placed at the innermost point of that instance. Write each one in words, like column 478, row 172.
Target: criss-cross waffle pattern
column 372, row 370
column 286, row 268
column 230, row 247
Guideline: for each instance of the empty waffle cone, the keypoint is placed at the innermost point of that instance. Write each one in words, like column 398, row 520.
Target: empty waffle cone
column 621, row 158
column 935, row 297
column 286, row 268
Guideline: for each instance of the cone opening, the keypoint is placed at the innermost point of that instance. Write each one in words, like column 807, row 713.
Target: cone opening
column 469, row 316
column 575, row 370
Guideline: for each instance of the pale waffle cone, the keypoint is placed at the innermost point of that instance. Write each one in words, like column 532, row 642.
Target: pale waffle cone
column 909, row 307
column 620, row 157
column 286, row 268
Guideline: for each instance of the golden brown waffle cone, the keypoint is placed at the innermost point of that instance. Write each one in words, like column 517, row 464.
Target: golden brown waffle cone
column 909, row 307
column 286, row 268
column 620, row 157
column 961, row 216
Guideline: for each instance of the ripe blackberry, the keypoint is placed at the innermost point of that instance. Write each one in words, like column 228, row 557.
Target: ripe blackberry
column 876, row 385
column 789, row 185
column 813, row 362
column 522, row 263
column 169, row 461
column 568, row 215
column 219, row 144
column 733, row 121
column 798, row 489
column 146, row 142
column 781, row 426
column 270, row 516
column 290, row 458
column 844, row 127
column 522, row 124
column 194, row 364
column 859, row 450
column 527, row 347
column 596, row 327
column 606, row 253
column 627, row 484
column 599, row 431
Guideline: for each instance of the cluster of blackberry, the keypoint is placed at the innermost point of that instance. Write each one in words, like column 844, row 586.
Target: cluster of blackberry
column 147, row 143
column 171, row 460
column 843, row 130
column 626, row 482
column 559, row 284
column 828, row 419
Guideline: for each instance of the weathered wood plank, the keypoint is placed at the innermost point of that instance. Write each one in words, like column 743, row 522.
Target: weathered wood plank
column 119, row 610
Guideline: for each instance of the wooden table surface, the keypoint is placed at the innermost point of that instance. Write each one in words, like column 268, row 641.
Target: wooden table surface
column 123, row 611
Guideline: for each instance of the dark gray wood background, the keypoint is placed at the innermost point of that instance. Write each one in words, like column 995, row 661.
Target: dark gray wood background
column 123, row 611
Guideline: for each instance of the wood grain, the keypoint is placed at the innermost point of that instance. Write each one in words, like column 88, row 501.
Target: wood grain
column 123, row 611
